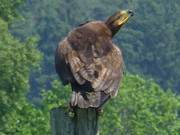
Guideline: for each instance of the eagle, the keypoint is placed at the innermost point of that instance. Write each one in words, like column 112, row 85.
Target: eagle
column 90, row 62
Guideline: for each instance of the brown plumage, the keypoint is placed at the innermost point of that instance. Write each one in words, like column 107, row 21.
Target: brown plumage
column 90, row 62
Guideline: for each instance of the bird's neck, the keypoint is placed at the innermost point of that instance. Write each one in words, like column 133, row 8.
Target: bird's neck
column 113, row 29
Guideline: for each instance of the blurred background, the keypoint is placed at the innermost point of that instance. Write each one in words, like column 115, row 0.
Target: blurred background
column 148, row 102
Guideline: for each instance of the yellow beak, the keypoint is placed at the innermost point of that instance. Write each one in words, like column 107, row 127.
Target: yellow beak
column 124, row 17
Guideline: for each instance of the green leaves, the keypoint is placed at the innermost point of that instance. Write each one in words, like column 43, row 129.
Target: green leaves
column 150, row 45
column 142, row 107
column 17, row 115
column 149, row 41
column 8, row 9
column 17, row 59
column 57, row 96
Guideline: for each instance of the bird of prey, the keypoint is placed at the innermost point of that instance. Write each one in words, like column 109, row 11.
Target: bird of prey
column 89, row 60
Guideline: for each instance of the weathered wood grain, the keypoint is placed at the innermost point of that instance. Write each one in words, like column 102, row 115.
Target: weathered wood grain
column 84, row 122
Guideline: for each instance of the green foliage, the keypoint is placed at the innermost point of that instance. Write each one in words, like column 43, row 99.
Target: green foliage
column 57, row 96
column 150, row 41
column 16, row 60
column 150, row 47
column 8, row 9
column 17, row 115
column 24, row 119
column 141, row 108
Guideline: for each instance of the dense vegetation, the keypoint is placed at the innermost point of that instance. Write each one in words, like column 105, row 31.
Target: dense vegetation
column 150, row 46
column 8, row 9
column 17, row 115
column 141, row 108
column 150, row 41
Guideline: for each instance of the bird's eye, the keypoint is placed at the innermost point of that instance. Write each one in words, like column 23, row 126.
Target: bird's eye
column 119, row 16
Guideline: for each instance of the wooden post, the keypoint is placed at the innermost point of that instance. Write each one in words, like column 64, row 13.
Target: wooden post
column 61, row 122
column 84, row 122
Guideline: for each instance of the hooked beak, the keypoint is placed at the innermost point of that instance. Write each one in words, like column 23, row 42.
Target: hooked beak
column 124, row 17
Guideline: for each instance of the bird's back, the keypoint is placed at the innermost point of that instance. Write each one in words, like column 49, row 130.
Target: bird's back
column 91, row 63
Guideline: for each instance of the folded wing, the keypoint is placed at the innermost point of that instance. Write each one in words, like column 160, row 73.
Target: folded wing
column 99, row 63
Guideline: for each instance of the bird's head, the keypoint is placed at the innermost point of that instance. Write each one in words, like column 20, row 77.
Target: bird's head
column 118, row 19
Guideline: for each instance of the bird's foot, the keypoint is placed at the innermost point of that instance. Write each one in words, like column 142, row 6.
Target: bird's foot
column 71, row 111
column 74, row 99
column 99, row 111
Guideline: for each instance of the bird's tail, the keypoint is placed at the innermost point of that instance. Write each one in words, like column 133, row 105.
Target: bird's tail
column 91, row 99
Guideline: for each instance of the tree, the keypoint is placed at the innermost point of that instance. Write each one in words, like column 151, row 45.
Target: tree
column 8, row 9
column 17, row 115
column 141, row 107
column 149, row 41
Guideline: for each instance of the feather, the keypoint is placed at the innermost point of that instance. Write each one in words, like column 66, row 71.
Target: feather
column 95, row 64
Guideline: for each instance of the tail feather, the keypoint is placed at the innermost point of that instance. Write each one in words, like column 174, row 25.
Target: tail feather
column 91, row 99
